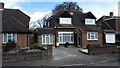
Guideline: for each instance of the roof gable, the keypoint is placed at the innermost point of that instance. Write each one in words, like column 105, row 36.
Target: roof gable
column 65, row 14
column 89, row 15
column 19, row 15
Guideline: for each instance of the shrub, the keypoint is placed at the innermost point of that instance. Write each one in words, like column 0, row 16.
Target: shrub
column 10, row 45
column 34, row 46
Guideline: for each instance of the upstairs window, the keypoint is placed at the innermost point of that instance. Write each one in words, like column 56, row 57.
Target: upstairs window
column 65, row 20
column 89, row 21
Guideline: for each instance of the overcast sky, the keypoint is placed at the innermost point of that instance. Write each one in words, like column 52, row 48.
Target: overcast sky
column 36, row 9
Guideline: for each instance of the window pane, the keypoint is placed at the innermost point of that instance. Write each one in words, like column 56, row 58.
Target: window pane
column 60, row 39
column 92, row 35
column 14, row 38
column 43, row 41
column 96, row 35
column 9, row 37
column 51, row 39
column 88, row 35
column 47, row 40
column 66, row 39
column 72, row 38
column 5, row 38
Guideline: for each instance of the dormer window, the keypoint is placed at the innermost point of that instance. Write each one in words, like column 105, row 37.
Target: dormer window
column 65, row 20
column 89, row 21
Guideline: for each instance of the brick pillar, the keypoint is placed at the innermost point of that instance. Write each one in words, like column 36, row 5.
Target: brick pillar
column 49, row 50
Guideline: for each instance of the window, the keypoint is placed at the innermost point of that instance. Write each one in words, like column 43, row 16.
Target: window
column 110, row 37
column 47, row 39
column 66, row 37
column 10, row 36
column 117, row 37
column 90, row 21
column 65, row 20
column 92, row 36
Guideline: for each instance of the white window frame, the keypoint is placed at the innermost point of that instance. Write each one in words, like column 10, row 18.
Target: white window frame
column 89, row 21
column 45, row 39
column 62, row 37
column 64, row 22
column 93, row 35
column 11, row 37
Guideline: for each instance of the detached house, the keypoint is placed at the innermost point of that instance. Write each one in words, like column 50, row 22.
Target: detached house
column 111, row 28
column 75, row 27
column 15, row 26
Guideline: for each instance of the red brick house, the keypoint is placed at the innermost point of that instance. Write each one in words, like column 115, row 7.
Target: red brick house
column 15, row 26
column 75, row 27
column 111, row 28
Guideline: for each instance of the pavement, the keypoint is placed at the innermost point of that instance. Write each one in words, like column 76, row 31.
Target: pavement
column 71, row 57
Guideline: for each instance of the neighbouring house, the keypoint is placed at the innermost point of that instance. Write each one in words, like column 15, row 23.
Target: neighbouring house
column 45, row 36
column 15, row 26
column 75, row 27
column 110, row 26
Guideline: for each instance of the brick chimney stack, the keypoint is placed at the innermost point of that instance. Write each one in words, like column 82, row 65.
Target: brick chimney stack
column 1, row 5
column 111, row 14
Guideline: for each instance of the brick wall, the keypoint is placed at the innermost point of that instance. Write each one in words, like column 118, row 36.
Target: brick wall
column 22, row 40
column 117, row 21
column 28, row 55
column 85, row 42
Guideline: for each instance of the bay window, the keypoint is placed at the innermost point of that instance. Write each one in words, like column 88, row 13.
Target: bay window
column 66, row 37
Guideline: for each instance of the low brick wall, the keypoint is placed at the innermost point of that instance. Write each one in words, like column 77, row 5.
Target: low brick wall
column 102, row 50
column 27, row 56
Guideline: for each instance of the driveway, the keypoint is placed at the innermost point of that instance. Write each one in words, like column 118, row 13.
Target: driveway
column 71, row 57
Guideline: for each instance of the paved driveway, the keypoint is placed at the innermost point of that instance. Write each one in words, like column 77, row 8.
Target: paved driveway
column 71, row 57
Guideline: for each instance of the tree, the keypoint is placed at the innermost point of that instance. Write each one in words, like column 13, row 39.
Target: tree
column 68, row 6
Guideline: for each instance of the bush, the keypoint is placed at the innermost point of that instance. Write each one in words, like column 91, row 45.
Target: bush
column 10, row 45
column 34, row 46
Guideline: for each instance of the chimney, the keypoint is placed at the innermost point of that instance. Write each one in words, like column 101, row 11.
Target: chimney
column 111, row 14
column 1, row 5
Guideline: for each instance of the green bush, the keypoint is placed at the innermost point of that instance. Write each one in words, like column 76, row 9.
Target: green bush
column 10, row 45
column 34, row 46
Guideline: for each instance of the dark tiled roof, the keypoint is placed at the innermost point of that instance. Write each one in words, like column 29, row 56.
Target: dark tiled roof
column 19, row 15
column 77, row 17
column 13, row 25
column 107, row 22
column 45, row 31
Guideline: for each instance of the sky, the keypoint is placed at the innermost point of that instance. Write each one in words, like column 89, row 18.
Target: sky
column 37, row 9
